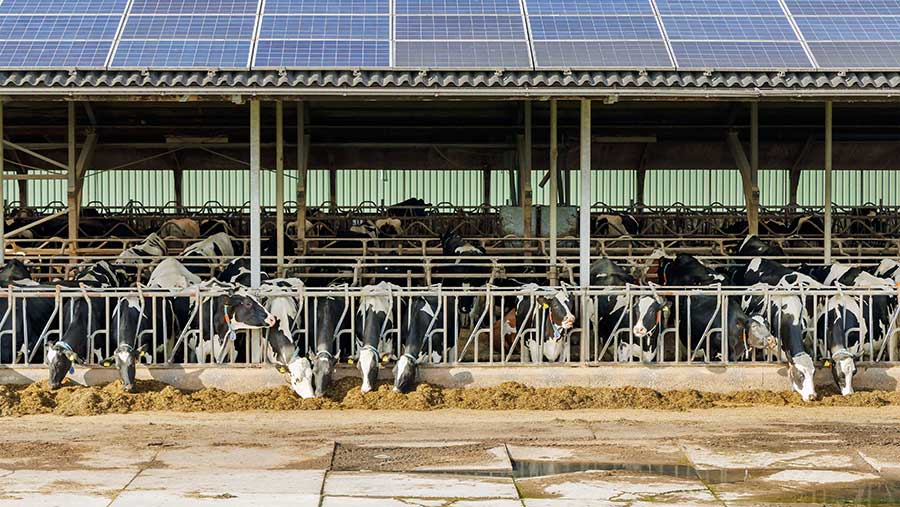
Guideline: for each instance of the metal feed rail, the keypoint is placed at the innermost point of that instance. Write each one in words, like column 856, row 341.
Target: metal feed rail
column 482, row 339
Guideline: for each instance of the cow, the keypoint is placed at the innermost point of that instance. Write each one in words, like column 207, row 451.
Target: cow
column 128, row 262
column 410, row 208
column 237, row 272
column 87, row 318
column 136, row 327
column 759, row 270
column 752, row 246
column 374, row 316
column 614, row 225
column 180, row 228
column 648, row 313
column 686, row 270
column 204, row 257
column 888, row 268
column 843, row 326
column 463, row 273
column 33, row 318
column 289, row 355
column 426, row 333
column 330, row 327
column 14, row 270
column 547, row 318
column 223, row 315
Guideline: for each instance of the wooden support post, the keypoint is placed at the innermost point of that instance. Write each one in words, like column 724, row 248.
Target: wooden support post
column 486, row 176
column 2, row 192
column 72, row 181
column 554, row 191
column 640, row 179
column 279, row 187
column 829, row 127
column 796, row 171
column 302, row 173
column 525, row 171
column 584, row 227
column 178, row 182
column 743, row 165
column 753, row 203
column 255, row 211
column 332, row 186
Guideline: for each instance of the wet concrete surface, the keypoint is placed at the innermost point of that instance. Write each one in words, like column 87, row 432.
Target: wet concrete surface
column 465, row 459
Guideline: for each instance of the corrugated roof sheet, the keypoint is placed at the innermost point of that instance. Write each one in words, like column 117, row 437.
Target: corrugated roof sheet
column 49, row 82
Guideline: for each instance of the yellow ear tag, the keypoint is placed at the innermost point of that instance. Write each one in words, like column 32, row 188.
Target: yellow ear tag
column 106, row 364
column 384, row 358
column 142, row 354
column 281, row 369
column 546, row 306
column 827, row 363
column 349, row 361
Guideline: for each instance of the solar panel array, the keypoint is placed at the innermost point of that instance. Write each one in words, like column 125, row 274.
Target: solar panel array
column 451, row 34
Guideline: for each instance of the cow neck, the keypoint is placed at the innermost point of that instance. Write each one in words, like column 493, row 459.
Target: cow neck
column 230, row 333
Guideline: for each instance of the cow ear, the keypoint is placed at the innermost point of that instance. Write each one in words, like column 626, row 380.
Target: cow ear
column 543, row 302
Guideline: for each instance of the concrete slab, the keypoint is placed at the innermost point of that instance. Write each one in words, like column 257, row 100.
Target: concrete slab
column 351, row 501
column 612, row 451
column 417, row 485
column 240, row 456
column 80, row 482
column 52, row 500
column 705, row 458
column 422, row 457
column 168, row 499
column 231, row 482
column 803, row 486
column 618, row 487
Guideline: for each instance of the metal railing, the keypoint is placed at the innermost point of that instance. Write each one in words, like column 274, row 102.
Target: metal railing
column 490, row 334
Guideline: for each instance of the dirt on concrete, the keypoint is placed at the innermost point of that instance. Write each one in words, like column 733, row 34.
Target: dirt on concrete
column 74, row 400
column 399, row 458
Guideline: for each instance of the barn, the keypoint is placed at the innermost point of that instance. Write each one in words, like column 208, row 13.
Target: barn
column 537, row 178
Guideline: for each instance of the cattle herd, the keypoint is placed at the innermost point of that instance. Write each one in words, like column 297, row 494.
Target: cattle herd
column 197, row 307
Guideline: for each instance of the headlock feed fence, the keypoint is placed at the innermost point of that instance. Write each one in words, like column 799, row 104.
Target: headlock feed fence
column 526, row 325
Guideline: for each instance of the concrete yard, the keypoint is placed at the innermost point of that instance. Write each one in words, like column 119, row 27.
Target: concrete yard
column 763, row 456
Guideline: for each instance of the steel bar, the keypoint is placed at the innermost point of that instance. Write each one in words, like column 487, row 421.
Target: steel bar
column 279, row 187
column 72, row 186
column 829, row 117
column 554, row 184
column 753, row 204
column 525, row 172
column 302, row 173
column 255, row 246
column 2, row 193
column 584, row 228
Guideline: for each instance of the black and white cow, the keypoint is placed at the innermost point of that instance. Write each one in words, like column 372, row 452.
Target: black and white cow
column 180, row 228
column 843, row 326
column 752, row 246
column 204, row 257
column 759, row 270
column 686, row 270
column 136, row 326
column 222, row 317
column 14, row 270
column 33, row 317
column 331, row 328
column 282, row 337
column 128, row 262
column 237, row 272
column 614, row 225
column 471, row 268
column 87, row 319
column 374, row 318
column 425, row 336
column 890, row 269
column 547, row 318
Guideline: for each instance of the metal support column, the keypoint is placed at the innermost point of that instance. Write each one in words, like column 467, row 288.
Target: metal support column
column 554, row 191
column 255, row 247
column 584, row 228
column 829, row 114
column 525, row 171
column 279, row 187
column 2, row 192
column 302, row 170
column 753, row 203
column 72, row 186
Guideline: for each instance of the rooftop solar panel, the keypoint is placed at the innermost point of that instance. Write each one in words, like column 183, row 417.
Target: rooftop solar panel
column 325, row 27
column 720, row 7
column 601, row 54
column 322, row 54
column 189, row 27
column 327, row 7
column 740, row 55
column 457, row 7
column 857, row 55
column 850, row 28
column 194, row 7
column 181, row 54
column 462, row 54
column 594, row 27
column 844, row 7
column 586, row 7
column 63, row 6
column 54, row 54
column 459, row 28
column 59, row 27
column 770, row 28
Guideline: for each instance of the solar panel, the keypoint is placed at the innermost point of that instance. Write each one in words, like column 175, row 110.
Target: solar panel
column 326, row 27
column 495, row 7
column 194, row 7
column 587, row 7
column 851, row 28
column 764, row 28
column 459, row 27
column 59, row 27
column 327, row 7
column 182, row 54
column 725, row 55
column 720, row 7
column 462, row 54
column 601, row 54
column 45, row 54
column 322, row 54
column 857, row 55
column 82, row 7
column 844, row 7
column 189, row 28
column 594, row 27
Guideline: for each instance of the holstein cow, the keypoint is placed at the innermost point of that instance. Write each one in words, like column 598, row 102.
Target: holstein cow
column 32, row 316
column 205, row 257
column 180, row 228
column 12, row 271
column 648, row 314
column 135, row 327
column 87, row 318
column 551, row 316
column 459, row 274
column 752, row 246
column 374, row 316
column 127, row 263
column 289, row 355
column 222, row 317
column 843, row 325
column 329, row 322
column 238, row 272
column 425, row 336
column 890, row 269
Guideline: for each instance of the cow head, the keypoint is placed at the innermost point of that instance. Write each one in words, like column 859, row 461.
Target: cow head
column 60, row 358
column 368, row 363
column 801, row 372
column 125, row 359
column 649, row 315
column 405, row 373
column 245, row 312
column 300, row 373
column 758, row 335
column 843, row 368
column 323, row 364
column 558, row 314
